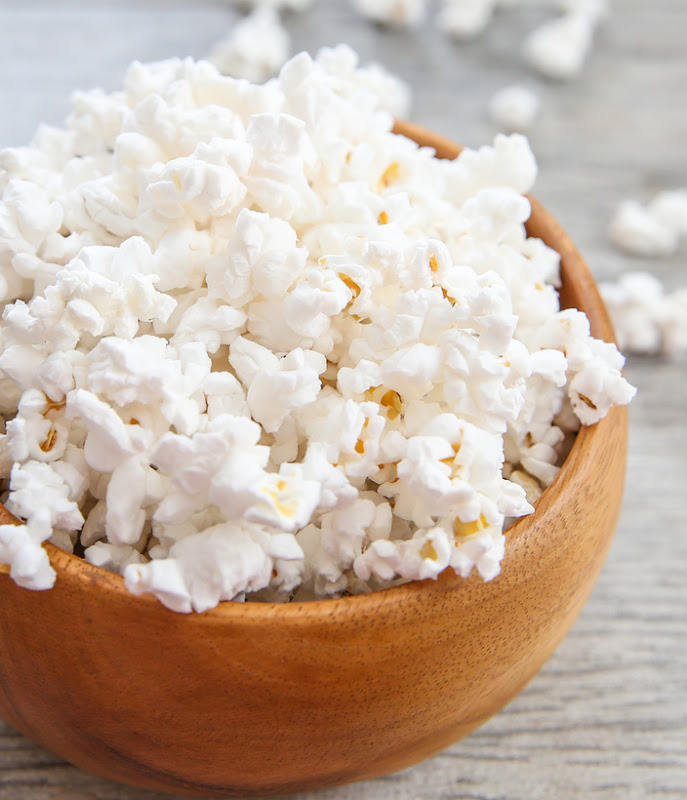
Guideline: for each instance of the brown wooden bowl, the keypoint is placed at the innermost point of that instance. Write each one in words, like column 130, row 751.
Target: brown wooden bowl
column 253, row 700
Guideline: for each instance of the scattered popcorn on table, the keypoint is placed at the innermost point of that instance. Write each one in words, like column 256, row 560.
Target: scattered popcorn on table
column 255, row 48
column 636, row 230
column 647, row 320
column 653, row 230
column 559, row 48
column 257, row 346
column 465, row 19
column 402, row 13
column 514, row 108
column 669, row 208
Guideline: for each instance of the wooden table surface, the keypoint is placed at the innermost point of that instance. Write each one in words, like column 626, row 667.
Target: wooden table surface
column 607, row 716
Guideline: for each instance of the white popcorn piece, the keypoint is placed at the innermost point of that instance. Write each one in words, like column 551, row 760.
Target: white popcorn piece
column 277, row 181
column 594, row 378
column 20, row 363
column 262, row 259
column 465, row 19
column 204, row 185
column 284, row 501
column 484, row 552
column 669, row 208
column 647, row 319
column 277, row 386
column 109, row 439
column 653, row 230
column 636, row 230
column 39, row 492
column 94, row 527
column 510, row 162
column 163, row 578
column 211, row 322
column 514, row 108
column 205, row 569
column 309, row 307
column 224, row 395
column 335, row 489
column 38, row 431
column 112, row 557
column 125, row 516
column 559, row 48
column 405, row 13
column 255, row 48
column 20, row 547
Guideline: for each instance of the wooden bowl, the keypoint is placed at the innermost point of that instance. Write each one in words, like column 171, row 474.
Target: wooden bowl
column 261, row 699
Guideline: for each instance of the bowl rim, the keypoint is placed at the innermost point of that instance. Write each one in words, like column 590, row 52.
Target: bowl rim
column 75, row 568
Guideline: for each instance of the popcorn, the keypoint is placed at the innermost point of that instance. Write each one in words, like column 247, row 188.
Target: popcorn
column 212, row 566
column 256, row 346
column 255, row 48
column 594, row 379
column 262, row 259
column 514, row 108
column 559, row 48
column 408, row 13
column 277, row 386
column 654, row 230
column 646, row 319
column 465, row 19
column 112, row 557
column 670, row 209
column 40, row 493
column 638, row 232
column 20, row 546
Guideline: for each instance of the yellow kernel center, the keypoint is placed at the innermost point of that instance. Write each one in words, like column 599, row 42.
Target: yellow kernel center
column 463, row 529
column 428, row 551
column 391, row 400
column 50, row 440
column 391, row 173
column 352, row 285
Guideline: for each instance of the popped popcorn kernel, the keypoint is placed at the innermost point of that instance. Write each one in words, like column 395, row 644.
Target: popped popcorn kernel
column 255, row 48
column 559, row 47
column 405, row 13
column 647, row 319
column 514, row 108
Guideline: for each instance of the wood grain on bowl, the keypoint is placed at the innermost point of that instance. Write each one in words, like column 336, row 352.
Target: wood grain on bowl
column 258, row 699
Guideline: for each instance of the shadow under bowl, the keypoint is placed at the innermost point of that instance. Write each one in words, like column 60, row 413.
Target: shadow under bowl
column 259, row 699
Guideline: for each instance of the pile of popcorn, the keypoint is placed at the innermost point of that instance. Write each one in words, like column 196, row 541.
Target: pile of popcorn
column 254, row 343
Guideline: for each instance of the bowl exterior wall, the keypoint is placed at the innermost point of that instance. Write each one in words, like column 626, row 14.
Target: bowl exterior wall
column 271, row 699
column 232, row 704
